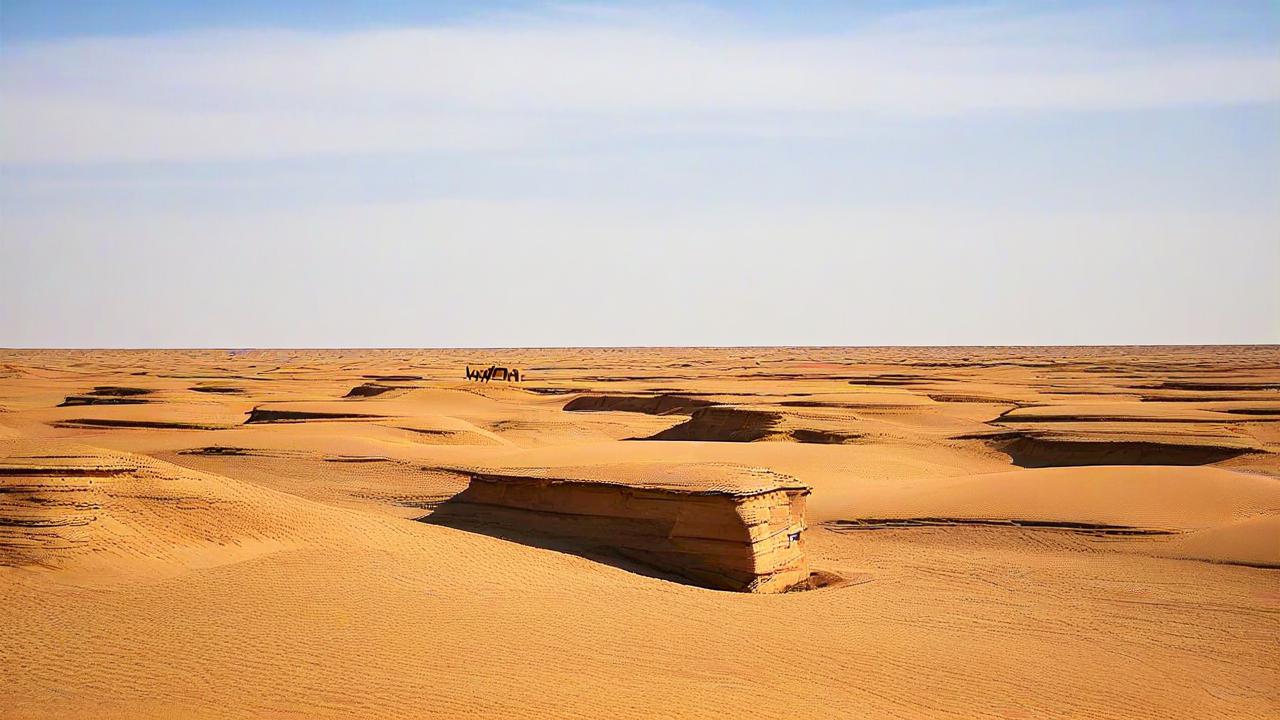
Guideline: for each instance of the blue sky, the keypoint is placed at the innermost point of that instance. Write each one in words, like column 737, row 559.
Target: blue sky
column 454, row 174
column 24, row 20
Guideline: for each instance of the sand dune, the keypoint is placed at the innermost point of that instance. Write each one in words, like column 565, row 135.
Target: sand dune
column 171, row 559
column 1246, row 542
column 1039, row 450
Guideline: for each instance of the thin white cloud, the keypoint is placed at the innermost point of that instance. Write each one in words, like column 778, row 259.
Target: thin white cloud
column 514, row 82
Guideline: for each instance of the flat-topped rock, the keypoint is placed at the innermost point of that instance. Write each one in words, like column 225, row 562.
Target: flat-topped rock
column 689, row 478
column 721, row 526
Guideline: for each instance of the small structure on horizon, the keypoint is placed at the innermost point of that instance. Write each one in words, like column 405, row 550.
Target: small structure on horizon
column 493, row 372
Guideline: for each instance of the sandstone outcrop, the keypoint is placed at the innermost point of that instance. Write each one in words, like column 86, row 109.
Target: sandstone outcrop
column 733, row 423
column 719, row 526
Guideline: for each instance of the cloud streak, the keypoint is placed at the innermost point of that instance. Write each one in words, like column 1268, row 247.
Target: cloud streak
column 519, row 82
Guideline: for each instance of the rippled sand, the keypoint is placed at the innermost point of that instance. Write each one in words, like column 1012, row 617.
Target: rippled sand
column 1019, row 533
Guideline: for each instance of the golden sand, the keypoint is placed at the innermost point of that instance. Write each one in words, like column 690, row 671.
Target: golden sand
column 1005, row 533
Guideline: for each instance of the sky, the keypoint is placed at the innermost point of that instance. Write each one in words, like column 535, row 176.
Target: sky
column 462, row 174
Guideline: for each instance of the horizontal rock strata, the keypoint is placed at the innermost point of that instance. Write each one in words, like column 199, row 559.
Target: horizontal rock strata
column 719, row 526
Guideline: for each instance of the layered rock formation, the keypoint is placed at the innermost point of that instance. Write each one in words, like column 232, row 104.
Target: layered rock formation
column 732, row 423
column 719, row 526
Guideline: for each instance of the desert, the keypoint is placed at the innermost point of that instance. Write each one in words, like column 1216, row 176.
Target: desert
column 989, row 532
column 639, row 359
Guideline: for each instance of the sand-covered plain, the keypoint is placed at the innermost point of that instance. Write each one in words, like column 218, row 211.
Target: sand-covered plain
column 1020, row 533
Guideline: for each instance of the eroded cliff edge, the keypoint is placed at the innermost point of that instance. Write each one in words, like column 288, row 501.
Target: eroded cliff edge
column 718, row 526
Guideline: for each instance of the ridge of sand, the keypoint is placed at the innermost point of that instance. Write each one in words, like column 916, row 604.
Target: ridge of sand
column 276, row 569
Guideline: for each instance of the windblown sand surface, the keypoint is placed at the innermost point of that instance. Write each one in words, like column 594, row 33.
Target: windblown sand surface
column 1016, row 533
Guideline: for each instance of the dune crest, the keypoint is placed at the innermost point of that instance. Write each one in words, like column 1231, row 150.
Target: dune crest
column 340, row 534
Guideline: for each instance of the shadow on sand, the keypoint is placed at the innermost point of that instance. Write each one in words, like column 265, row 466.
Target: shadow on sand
column 458, row 516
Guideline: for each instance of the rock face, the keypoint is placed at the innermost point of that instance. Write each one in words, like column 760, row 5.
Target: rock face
column 728, row 423
column 718, row 526
column 647, row 404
